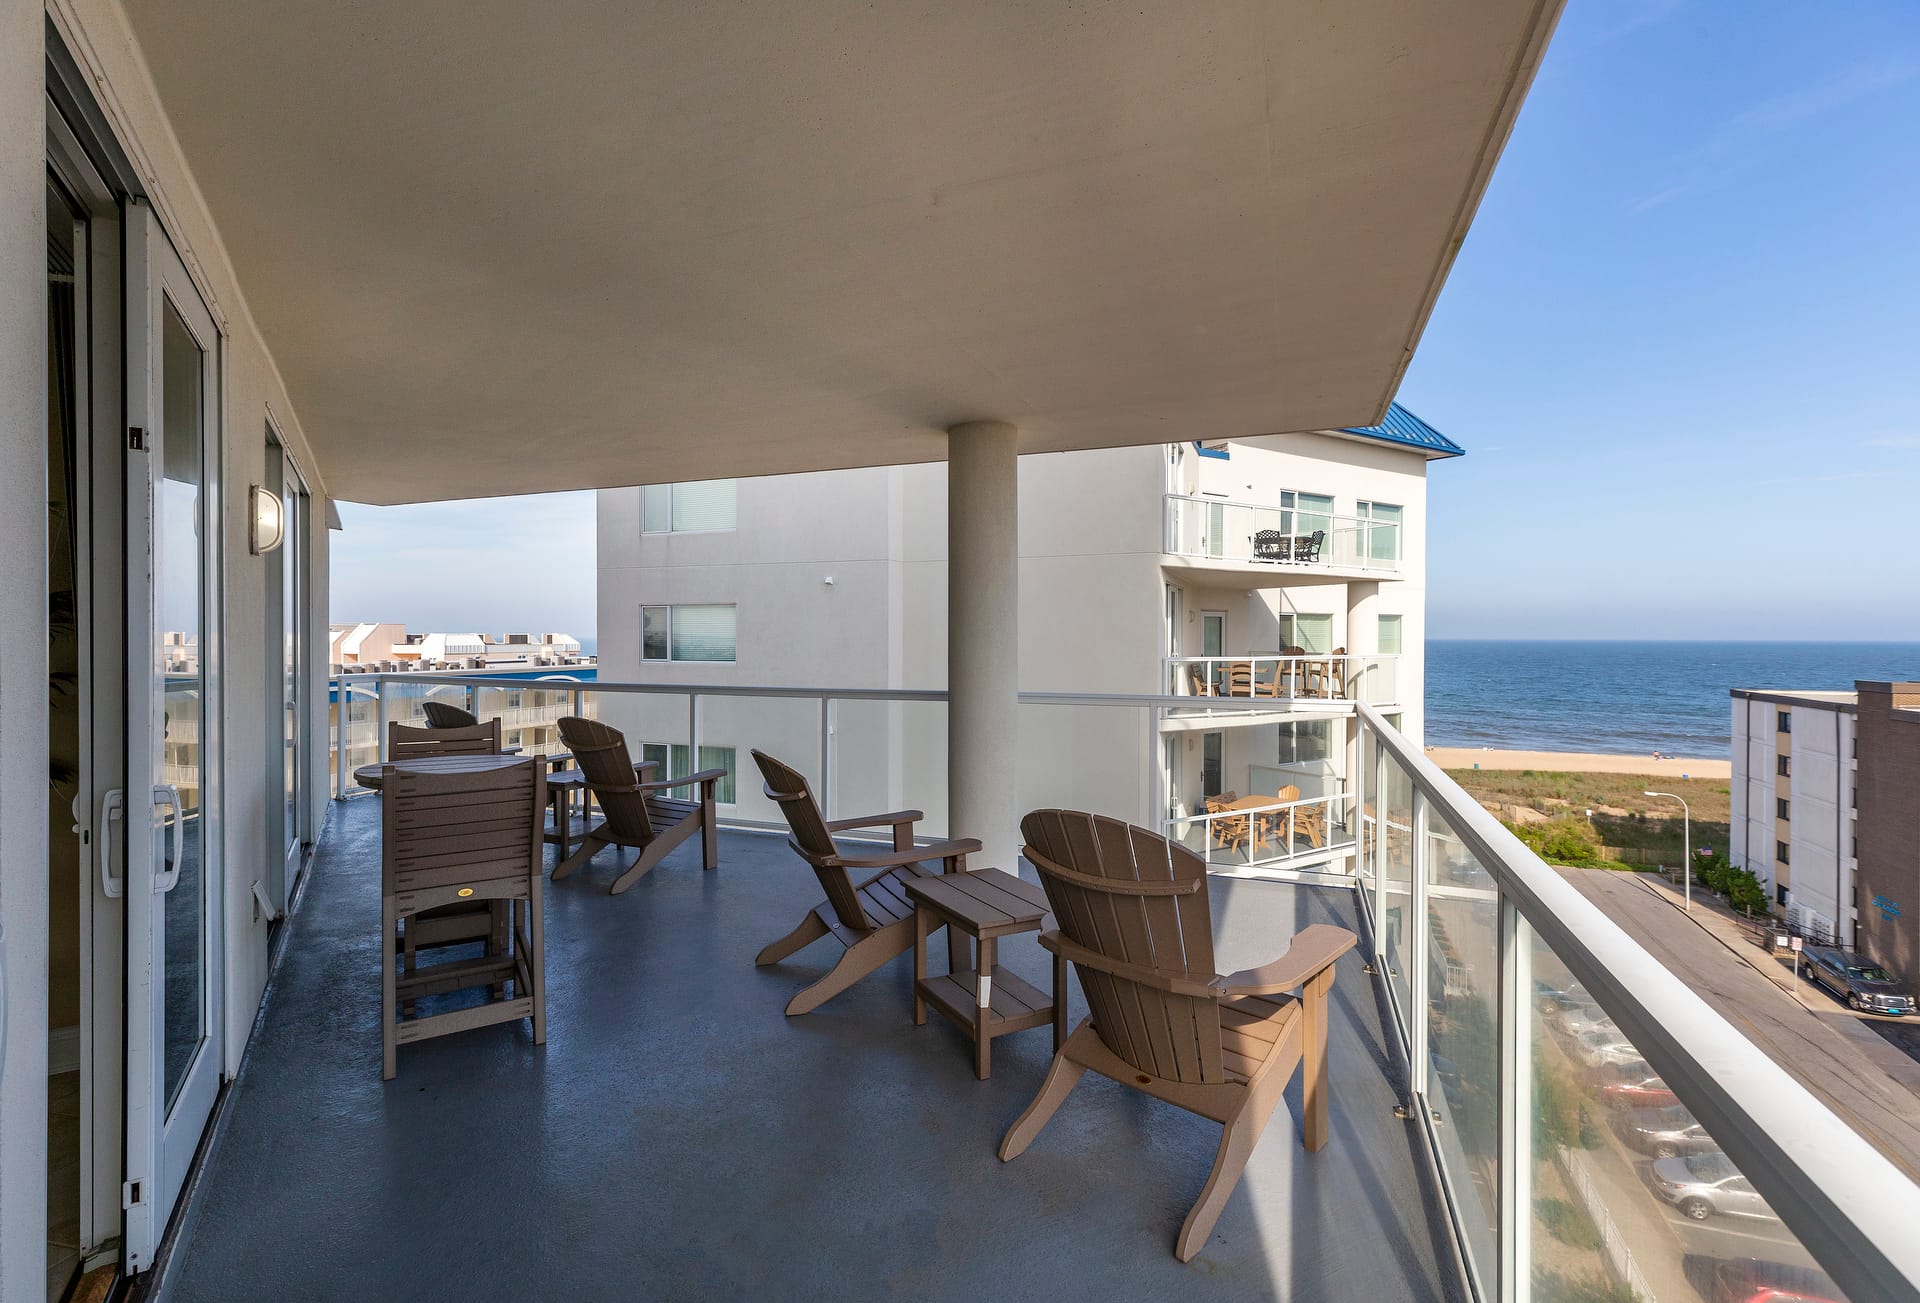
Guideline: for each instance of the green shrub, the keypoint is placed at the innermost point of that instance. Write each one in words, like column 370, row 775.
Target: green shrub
column 1560, row 1287
column 1567, row 1223
column 1565, row 839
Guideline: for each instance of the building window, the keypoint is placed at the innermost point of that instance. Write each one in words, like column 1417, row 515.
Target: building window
column 1380, row 524
column 1780, row 766
column 1780, row 896
column 693, row 507
column 688, row 633
column 672, row 758
column 1780, row 853
column 1785, row 721
column 1312, row 634
column 1304, row 741
column 1388, row 639
column 1780, row 808
column 1303, row 513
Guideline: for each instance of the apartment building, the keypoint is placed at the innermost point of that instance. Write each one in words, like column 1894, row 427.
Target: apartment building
column 1296, row 562
column 1793, row 794
column 1887, row 887
column 387, row 646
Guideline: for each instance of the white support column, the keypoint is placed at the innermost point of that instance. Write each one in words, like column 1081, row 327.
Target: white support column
column 983, row 644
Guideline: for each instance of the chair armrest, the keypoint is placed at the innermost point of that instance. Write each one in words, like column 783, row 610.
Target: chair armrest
column 893, row 820
column 1175, row 983
column 912, row 855
column 641, row 768
column 1312, row 952
column 704, row 776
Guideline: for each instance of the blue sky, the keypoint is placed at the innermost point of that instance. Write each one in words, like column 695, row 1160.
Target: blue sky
column 1681, row 346
column 1682, row 342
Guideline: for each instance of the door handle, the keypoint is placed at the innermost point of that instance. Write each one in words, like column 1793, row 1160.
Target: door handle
column 168, row 794
column 112, row 808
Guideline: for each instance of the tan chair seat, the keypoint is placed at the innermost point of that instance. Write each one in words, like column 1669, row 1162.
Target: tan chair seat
column 1251, row 1029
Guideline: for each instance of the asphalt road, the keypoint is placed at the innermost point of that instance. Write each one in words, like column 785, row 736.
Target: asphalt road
column 1844, row 1060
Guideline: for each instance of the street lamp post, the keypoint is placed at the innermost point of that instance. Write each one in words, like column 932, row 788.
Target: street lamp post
column 1686, row 839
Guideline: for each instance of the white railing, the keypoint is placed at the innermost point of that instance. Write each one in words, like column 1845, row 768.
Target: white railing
column 1516, row 1003
column 1316, row 678
column 1218, row 529
column 1269, row 834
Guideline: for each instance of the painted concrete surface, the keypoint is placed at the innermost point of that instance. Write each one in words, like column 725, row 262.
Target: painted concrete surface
column 677, row 1137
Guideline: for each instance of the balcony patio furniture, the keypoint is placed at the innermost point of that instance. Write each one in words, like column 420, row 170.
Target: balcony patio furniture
column 443, row 750
column 405, row 741
column 1243, row 680
column 639, row 813
column 441, row 715
column 1136, row 922
column 1310, row 820
column 986, row 1000
column 1200, row 681
column 1232, row 832
column 1306, row 547
column 466, row 830
column 1271, row 545
column 873, row 921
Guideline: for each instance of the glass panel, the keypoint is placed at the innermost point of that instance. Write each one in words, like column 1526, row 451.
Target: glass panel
column 1311, row 633
column 1463, row 987
column 653, row 633
column 1389, row 637
column 710, row 758
column 279, row 481
column 1396, row 905
column 656, row 508
column 703, row 633
column 179, row 596
column 703, row 505
column 1383, row 531
column 1315, row 512
column 1632, row 1198
column 1213, row 635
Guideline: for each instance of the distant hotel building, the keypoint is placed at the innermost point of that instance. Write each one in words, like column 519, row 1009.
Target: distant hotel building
column 1826, row 813
column 389, row 647
column 1182, row 568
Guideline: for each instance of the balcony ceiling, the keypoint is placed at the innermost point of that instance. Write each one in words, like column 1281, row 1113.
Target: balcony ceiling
column 506, row 248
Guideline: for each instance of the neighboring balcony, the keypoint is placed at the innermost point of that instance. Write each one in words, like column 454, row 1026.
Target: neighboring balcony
column 1274, row 545
column 1319, row 680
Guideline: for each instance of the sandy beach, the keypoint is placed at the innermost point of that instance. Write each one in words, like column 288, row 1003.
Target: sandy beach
column 1577, row 762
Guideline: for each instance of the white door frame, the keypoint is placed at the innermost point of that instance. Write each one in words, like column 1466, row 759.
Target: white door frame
column 161, row 1139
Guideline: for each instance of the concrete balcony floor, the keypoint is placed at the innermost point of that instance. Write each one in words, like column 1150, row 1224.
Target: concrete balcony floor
column 677, row 1137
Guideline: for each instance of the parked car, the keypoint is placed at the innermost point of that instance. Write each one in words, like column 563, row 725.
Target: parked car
column 1633, row 1085
column 1551, row 997
column 1578, row 1019
column 1603, row 1047
column 1755, row 1280
column 1708, row 1185
column 1663, row 1132
column 1866, row 987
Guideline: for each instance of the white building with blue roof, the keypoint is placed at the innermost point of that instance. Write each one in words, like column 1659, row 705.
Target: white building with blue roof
column 1288, row 569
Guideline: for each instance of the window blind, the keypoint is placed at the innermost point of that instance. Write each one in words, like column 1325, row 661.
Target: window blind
column 704, row 505
column 703, row 633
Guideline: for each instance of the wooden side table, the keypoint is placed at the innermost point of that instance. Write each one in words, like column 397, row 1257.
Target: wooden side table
column 986, row 1001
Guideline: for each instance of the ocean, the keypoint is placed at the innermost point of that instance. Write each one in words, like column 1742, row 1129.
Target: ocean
column 1628, row 698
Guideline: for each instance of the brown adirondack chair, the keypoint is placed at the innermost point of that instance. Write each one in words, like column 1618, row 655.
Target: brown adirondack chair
column 1134, row 921
column 441, row 715
column 453, row 840
column 638, row 813
column 1231, row 832
column 873, row 920
column 405, row 741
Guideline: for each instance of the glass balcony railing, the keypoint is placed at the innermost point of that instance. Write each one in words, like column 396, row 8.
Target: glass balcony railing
column 1601, row 1133
column 1251, row 533
column 1314, row 678
column 1598, row 1132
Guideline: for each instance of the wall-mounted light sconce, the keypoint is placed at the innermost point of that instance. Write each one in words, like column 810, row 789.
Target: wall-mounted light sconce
column 266, row 521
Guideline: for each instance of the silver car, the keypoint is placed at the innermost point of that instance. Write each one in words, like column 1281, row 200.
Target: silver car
column 1708, row 1185
column 1865, row 987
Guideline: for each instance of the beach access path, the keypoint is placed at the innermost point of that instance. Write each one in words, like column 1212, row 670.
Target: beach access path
column 1835, row 1054
column 1578, row 762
